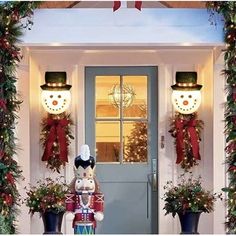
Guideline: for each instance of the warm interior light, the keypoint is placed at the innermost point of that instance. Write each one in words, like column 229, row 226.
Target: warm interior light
column 55, row 102
column 186, row 102
column 127, row 95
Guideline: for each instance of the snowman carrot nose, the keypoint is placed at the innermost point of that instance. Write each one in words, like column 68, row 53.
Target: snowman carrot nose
column 185, row 102
column 54, row 102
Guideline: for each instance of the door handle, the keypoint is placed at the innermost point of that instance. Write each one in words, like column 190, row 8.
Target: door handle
column 152, row 180
column 154, row 175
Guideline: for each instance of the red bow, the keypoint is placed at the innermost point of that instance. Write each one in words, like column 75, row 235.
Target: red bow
column 180, row 125
column 57, row 131
column 117, row 4
column 138, row 5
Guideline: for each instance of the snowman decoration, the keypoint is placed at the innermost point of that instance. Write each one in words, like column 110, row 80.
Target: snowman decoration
column 85, row 201
column 55, row 99
column 55, row 96
column 186, row 99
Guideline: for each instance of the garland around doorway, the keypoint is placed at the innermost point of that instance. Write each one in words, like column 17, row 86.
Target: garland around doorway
column 228, row 10
column 11, row 28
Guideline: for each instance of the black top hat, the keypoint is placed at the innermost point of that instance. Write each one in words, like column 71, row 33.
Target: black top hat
column 55, row 81
column 84, row 163
column 186, row 81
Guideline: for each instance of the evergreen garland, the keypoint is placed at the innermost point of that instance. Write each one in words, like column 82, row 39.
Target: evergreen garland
column 228, row 10
column 11, row 13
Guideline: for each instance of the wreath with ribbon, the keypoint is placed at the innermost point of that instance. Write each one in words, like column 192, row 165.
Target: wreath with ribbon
column 55, row 139
column 186, row 128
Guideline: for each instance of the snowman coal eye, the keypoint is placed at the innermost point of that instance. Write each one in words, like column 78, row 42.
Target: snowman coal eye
column 59, row 96
column 182, row 96
column 51, row 96
column 190, row 96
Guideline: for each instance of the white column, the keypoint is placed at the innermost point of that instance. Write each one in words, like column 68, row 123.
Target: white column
column 23, row 135
column 219, row 145
column 166, row 171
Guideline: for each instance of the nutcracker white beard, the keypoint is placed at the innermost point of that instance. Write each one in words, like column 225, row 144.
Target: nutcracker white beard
column 85, row 198
column 55, row 102
column 186, row 102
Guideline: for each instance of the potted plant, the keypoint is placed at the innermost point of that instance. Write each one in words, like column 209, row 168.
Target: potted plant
column 188, row 199
column 48, row 198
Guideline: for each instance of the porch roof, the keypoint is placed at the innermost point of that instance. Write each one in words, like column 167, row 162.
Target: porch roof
column 127, row 26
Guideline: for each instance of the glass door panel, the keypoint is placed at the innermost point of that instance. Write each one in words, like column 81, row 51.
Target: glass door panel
column 135, row 142
column 104, row 105
column 121, row 116
column 137, row 85
column 108, row 141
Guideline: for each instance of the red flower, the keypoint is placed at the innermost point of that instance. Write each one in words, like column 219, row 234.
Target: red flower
column 1, row 153
column 3, row 104
column 9, row 178
column 7, row 198
column 232, row 168
column 15, row 16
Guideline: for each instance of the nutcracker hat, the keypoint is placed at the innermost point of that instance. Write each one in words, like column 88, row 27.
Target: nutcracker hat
column 55, row 80
column 186, row 80
column 84, row 163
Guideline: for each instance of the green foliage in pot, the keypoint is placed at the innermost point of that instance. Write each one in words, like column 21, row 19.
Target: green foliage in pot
column 47, row 195
column 188, row 195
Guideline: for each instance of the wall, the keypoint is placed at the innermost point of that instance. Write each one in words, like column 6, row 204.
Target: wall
column 73, row 60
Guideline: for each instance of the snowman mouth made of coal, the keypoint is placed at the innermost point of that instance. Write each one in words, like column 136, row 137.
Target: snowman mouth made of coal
column 186, row 102
column 56, row 102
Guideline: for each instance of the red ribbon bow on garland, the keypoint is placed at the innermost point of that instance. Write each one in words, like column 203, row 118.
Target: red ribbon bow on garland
column 190, row 126
column 57, row 132
column 117, row 4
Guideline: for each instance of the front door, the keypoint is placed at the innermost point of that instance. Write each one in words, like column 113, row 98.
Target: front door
column 121, row 130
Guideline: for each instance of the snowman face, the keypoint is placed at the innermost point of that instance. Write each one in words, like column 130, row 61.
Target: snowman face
column 55, row 102
column 186, row 102
column 85, row 185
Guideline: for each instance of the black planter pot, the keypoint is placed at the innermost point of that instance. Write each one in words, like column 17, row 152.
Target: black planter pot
column 189, row 222
column 52, row 222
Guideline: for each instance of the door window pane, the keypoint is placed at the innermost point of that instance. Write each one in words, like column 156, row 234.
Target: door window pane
column 137, row 85
column 135, row 141
column 107, row 141
column 104, row 105
column 121, row 118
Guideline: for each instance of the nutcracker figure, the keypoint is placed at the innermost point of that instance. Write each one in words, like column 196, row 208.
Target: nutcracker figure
column 85, row 199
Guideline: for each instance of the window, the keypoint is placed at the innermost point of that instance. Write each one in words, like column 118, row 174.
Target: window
column 121, row 118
